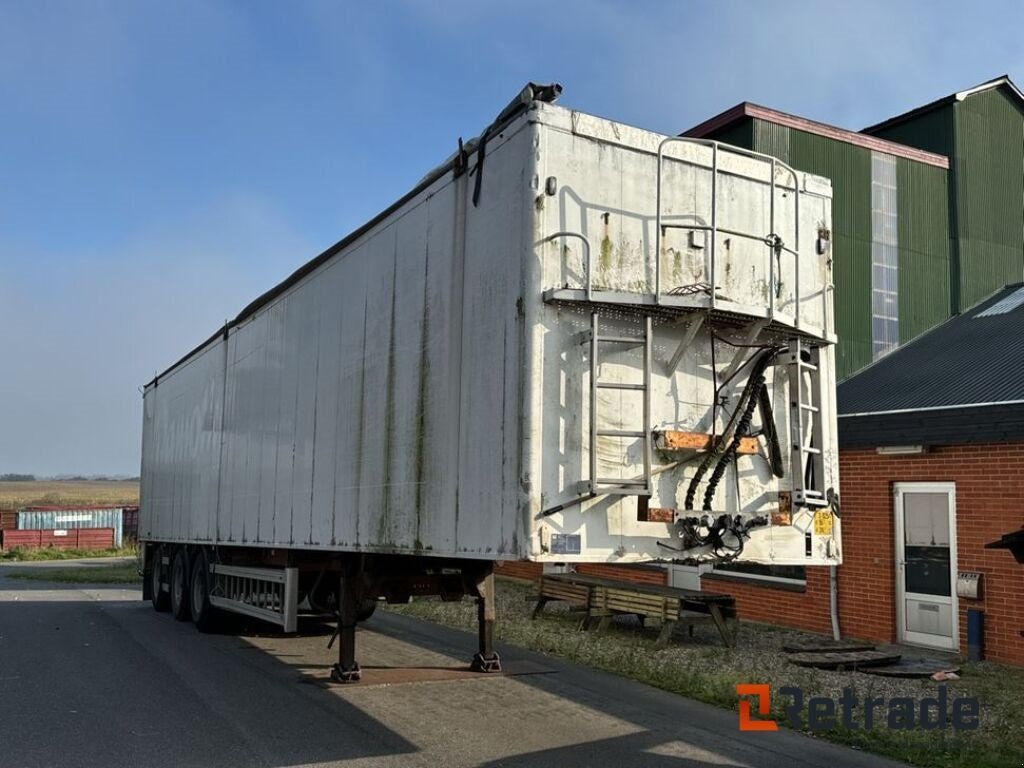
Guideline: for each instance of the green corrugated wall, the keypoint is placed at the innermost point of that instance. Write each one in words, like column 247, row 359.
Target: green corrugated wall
column 923, row 232
column 989, row 168
column 923, row 235
column 983, row 135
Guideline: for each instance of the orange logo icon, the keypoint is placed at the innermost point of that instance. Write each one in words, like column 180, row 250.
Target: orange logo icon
column 763, row 694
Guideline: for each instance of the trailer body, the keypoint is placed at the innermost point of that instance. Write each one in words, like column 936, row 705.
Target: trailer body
column 425, row 387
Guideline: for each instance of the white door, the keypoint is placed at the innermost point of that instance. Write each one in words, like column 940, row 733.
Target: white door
column 926, row 607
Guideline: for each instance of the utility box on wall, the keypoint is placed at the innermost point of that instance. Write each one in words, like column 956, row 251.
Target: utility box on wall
column 968, row 585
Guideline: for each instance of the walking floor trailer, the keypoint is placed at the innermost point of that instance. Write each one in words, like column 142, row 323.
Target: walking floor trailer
column 575, row 341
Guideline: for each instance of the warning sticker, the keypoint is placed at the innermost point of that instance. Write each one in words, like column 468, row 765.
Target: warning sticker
column 823, row 523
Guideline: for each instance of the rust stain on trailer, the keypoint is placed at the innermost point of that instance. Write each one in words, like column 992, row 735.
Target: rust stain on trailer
column 421, row 401
column 784, row 514
column 678, row 440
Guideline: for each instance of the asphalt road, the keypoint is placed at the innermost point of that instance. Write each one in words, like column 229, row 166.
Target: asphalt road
column 92, row 676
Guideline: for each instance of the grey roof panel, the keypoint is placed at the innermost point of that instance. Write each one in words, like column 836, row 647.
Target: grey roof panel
column 973, row 358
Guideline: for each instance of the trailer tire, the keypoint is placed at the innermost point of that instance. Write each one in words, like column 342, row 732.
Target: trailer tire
column 179, row 586
column 366, row 609
column 161, row 600
column 204, row 614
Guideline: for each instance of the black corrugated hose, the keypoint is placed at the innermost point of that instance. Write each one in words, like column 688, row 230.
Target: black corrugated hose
column 748, row 398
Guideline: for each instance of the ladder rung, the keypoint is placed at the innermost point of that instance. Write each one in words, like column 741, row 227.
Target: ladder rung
column 811, row 408
column 621, row 340
column 621, row 482
column 812, row 501
column 613, row 385
column 807, row 366
column 807, row 449
column 620, row 433
column 621, row 490
column 814, row 494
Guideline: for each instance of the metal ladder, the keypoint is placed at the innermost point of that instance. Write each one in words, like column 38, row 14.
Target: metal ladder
column 807, row 461
column 639, row 486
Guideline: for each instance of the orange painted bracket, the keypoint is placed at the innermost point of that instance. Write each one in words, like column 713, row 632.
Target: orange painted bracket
column 676, row 440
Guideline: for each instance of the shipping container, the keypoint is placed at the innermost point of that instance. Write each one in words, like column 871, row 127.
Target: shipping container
column 574, row 341
column 73, row 518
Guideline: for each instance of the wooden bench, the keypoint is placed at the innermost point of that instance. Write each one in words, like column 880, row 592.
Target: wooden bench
column 604, row 598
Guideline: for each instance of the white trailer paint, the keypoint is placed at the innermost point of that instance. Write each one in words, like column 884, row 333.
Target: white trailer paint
column 414, row 392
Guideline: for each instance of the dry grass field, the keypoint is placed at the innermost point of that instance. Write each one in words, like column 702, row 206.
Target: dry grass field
column 68, row 492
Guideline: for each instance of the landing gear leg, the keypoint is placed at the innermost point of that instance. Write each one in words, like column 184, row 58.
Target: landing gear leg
column 486, row 659
column 349, row 594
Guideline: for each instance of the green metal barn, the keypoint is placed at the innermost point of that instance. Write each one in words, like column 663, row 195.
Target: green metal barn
column 981, row 130
column 890, row 234
column 928, row 214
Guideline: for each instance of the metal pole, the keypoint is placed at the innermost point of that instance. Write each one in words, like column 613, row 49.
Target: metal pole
column 796, row 248
column 657, row 232
column 714, row 218
column 648, row 356
column 347, row 670
column 594, row 328
column 486, row 658
column 772, row 253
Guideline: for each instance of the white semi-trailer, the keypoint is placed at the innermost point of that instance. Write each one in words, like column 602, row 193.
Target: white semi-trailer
column 574, row 341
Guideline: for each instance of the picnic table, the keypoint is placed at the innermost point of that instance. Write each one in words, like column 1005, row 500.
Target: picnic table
column 604, row 598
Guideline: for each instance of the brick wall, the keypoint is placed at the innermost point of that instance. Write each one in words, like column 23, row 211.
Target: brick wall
column 803, row 608
column 644, row 574
column 989, row 502
column 520, row 570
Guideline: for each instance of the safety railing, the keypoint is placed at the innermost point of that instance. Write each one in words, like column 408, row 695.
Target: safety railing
column 772, row 239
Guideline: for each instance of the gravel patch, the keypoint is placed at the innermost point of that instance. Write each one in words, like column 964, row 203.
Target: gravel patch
column 700, row 667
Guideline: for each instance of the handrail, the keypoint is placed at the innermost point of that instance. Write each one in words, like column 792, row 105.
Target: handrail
column 714, row 229
column 587, row 258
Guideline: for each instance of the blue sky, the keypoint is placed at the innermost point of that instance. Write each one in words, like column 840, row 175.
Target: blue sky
column 163, row 163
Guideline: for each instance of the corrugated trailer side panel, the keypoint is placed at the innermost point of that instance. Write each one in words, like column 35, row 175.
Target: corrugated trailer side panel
column 181, row 440
column 373, row 405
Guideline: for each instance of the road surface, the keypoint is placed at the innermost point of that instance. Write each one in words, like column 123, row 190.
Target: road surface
column 92, row 676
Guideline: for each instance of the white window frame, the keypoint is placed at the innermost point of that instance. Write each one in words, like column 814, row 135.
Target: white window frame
column 899, row 596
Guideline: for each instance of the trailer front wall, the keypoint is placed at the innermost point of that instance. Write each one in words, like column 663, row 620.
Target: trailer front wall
column 606, row 191
column 374, row 405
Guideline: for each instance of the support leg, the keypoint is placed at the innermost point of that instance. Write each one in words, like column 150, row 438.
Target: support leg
column 719, row 619
column 541, row 602
column 486, row 658
column 349, row 588
column 665, row 635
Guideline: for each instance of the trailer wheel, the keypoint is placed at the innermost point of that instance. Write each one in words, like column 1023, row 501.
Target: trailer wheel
column 160, row 599
column 204, row 615
column 366, row 609
column 179, row 586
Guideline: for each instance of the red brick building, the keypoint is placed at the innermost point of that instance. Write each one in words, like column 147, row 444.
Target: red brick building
column 931, row 468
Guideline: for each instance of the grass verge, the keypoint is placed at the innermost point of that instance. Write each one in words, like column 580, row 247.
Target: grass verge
column 700, row 668
column 97, row 574
column 40, row 554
